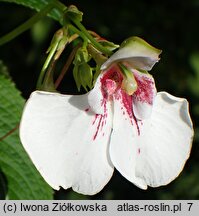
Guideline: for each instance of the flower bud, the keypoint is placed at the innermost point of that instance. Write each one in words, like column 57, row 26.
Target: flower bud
column 55, row 40
column 86, row 76
column 81, row 56
column 83, row 76
column 73, row 12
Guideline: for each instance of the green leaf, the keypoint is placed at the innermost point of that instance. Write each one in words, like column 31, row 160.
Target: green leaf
column 24, row 181
column 3, row 186
column 38, row 5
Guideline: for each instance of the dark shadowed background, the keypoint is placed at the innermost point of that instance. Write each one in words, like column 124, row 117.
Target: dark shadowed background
column 172, row 26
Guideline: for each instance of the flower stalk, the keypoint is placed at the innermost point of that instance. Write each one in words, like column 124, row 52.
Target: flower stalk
column 26, row 25
column 92, row 39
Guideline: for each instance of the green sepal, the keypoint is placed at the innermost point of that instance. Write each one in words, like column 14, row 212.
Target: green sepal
column 86, row 75
column 81, row 56
column 109, row 45
column 76, row 77
column 48, row 82
column 96, row 55
column 96, row 74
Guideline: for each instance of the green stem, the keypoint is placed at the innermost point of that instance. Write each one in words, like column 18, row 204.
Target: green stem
column 25, row 26
column 93, row 41
column 43, row 70
column 75, row 30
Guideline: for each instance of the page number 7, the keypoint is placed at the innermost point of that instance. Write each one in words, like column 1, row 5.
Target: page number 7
column 190, row 205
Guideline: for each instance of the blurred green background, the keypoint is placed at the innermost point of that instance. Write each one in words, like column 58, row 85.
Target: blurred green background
column 172, row 26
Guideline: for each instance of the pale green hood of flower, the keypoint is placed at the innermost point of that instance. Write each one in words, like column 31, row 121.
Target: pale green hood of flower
column 137, row 52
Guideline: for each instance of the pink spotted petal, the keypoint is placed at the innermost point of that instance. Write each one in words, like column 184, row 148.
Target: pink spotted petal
column 144, row 97
column 107, row 83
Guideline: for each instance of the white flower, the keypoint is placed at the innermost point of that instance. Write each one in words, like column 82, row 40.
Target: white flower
column 76, row 141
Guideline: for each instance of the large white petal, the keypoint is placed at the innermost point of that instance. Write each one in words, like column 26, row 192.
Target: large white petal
column 67, row 142
column 123, row 149
column 137, row 52
column 165, row 140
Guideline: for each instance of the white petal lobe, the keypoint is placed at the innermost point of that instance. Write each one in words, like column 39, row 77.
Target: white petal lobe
column 67, row 142
column 123, row 149
column 165, row 141
column 96, row 98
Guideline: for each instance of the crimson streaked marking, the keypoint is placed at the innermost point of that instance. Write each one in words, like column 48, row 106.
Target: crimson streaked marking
column 101, row 122
column 127, row 101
